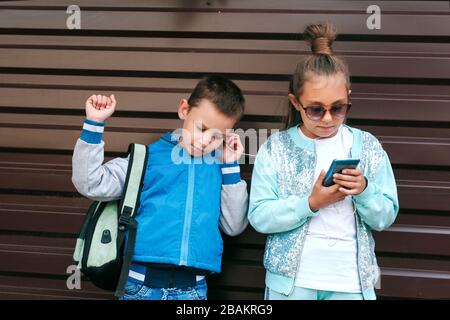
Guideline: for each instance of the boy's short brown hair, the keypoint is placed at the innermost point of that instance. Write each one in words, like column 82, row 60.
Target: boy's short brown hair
column 222, row 92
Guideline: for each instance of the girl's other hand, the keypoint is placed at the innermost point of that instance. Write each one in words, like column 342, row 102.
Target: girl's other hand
column 351, row 181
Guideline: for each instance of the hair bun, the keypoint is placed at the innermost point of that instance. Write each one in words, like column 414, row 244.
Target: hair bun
column 320, row 38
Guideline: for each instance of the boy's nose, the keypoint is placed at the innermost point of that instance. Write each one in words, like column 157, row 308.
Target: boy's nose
column 206, row 140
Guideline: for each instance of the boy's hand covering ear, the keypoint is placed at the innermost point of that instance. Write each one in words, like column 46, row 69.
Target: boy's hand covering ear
column 232, row 148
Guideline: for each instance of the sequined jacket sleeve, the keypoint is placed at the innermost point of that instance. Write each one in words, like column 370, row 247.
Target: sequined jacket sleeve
column 378, row 204
column 268, row 212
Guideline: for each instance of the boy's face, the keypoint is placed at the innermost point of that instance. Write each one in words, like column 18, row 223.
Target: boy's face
column 204, row 127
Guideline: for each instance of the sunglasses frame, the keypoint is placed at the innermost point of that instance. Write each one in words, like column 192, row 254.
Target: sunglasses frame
column 348, row 104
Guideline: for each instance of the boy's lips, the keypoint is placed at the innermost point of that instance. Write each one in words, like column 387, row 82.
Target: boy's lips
column 197, row 149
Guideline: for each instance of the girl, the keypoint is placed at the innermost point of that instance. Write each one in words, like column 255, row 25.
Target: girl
column 320, row 244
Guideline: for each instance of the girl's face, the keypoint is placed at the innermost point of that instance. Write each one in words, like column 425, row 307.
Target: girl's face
column 329, row 92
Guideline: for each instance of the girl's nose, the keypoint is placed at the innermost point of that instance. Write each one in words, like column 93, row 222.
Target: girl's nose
column 327, row 116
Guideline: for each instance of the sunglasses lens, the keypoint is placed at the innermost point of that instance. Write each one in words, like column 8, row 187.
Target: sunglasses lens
column 339, row 111
column 315, row 113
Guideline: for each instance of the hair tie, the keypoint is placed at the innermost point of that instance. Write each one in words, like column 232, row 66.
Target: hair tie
column 321, row 45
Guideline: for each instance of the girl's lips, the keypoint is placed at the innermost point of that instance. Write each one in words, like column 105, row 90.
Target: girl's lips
column 325, row 128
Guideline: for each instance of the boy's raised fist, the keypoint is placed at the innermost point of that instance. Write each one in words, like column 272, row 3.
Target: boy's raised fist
column 99, row 108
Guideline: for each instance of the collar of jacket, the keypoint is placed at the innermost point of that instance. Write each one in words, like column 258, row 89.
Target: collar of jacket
column 308, row 144
column 174, row 137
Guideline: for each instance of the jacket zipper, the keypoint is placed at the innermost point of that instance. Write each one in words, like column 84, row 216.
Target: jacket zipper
column 357, row 231
column 188, row 215
column 357, row 252
column 306, row 227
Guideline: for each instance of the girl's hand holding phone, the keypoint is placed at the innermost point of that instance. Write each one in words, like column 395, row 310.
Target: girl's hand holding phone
column 324, row 196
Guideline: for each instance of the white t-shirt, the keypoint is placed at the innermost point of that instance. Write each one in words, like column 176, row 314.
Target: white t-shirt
column 329, row 256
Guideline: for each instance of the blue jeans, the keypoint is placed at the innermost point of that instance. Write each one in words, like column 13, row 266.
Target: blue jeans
column 136, row 291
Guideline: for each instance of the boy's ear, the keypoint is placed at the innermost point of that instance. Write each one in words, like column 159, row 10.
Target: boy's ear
column 349, row 91
column 293, row 101
column 183, row 109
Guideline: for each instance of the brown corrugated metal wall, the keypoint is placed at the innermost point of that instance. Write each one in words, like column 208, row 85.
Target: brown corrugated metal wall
column 150, row 54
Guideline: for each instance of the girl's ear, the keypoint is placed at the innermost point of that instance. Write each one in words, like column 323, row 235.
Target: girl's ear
column 293, row 101
column 349, row 91
column 183, row 109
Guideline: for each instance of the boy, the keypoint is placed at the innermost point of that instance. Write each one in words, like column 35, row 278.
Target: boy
column 182, row 203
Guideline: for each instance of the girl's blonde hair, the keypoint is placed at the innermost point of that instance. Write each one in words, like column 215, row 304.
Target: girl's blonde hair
column 322, row 61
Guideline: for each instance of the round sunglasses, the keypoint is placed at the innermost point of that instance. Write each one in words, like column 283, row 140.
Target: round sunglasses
column 338, row 110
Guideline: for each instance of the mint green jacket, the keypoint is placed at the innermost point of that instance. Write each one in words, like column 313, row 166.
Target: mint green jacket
column 282, row 181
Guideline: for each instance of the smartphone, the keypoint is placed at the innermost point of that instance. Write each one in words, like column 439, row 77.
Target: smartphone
column 336, row 167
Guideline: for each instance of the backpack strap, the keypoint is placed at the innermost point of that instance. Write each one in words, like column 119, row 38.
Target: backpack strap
column 128, row 206
column 127, row 256
column 129, row 203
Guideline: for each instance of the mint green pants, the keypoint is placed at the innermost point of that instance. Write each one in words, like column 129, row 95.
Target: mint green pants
column 311, row 294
